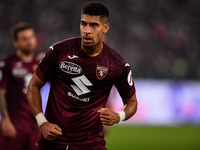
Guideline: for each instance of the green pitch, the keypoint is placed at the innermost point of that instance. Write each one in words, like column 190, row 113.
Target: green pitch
column 153, row 138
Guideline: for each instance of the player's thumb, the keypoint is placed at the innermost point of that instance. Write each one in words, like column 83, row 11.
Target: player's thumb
column 58, row 129
column 100, row 110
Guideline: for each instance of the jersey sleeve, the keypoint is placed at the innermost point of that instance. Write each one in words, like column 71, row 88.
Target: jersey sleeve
column 124, row 82
column 46, row 68
column 4, row 74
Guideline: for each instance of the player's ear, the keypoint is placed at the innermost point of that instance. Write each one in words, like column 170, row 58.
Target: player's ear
column 15, row 44
column 106, row 27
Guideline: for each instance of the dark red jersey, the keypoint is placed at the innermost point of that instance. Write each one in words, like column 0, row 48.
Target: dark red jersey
column 80, row 86
column 15, row 75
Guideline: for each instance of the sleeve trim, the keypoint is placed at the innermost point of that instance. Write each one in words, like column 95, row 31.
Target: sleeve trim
column 39, row 76
column 130, row 95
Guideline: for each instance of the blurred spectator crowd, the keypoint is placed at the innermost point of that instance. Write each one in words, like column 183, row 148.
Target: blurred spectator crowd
column 159, row 38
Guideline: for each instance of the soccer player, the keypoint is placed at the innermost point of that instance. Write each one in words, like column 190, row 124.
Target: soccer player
column 82, row 71
column 19, row 129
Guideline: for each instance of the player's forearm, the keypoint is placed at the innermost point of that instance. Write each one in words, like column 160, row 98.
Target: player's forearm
column 131, row 107
column 3, row 108
column 34, row 99
column 109, row 117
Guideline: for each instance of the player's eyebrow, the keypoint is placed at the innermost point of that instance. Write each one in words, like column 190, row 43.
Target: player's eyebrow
column 83, row 21
column 92, row 23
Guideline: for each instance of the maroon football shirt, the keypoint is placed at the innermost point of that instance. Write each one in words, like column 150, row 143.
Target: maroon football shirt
column 80, row 86
column 15, row 75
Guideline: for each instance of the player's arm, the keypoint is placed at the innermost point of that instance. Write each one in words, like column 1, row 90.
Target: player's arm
column 50, row 131
column 8, row 129
column 130, row 107
column 125, row 87
column 109, row 117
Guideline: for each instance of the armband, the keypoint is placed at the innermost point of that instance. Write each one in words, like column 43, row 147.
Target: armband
column 40, row 119
column 122, row 115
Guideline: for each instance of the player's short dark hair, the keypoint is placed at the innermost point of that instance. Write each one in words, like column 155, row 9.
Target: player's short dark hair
column 96, row 8
column 19, row 27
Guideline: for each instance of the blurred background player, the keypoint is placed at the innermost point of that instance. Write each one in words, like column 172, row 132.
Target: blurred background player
column 19, row 130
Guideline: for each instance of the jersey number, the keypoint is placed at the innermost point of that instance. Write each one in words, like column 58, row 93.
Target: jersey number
column 81, row 83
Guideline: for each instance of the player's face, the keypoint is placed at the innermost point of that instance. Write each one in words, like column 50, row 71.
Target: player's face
column 26, row 41
column 92, row 29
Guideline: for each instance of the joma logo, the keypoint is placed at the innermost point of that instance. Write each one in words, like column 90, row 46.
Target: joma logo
column 70, row 67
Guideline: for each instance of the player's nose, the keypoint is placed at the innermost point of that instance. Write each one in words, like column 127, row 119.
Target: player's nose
column 87, row 29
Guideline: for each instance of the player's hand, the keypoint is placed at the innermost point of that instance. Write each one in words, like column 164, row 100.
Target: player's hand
column 8, row 129
column 108, row 117
column 50, row 131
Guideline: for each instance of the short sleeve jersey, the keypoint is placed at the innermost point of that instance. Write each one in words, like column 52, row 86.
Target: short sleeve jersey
column 80, row 86
column 15, row 75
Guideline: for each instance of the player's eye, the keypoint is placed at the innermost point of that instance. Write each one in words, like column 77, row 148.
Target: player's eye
column 93, row 25
column 83, row 23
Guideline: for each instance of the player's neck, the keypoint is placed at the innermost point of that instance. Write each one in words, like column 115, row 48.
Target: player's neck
column 25, row 57
column 93, row 51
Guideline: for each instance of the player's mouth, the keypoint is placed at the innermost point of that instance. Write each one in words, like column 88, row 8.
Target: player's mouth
column 87, row 39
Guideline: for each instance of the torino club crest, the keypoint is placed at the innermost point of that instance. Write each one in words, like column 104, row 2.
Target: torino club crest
column 101, row 71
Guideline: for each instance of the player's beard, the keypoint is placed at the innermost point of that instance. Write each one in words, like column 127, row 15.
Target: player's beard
column 89, row 46
column 26, row 51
